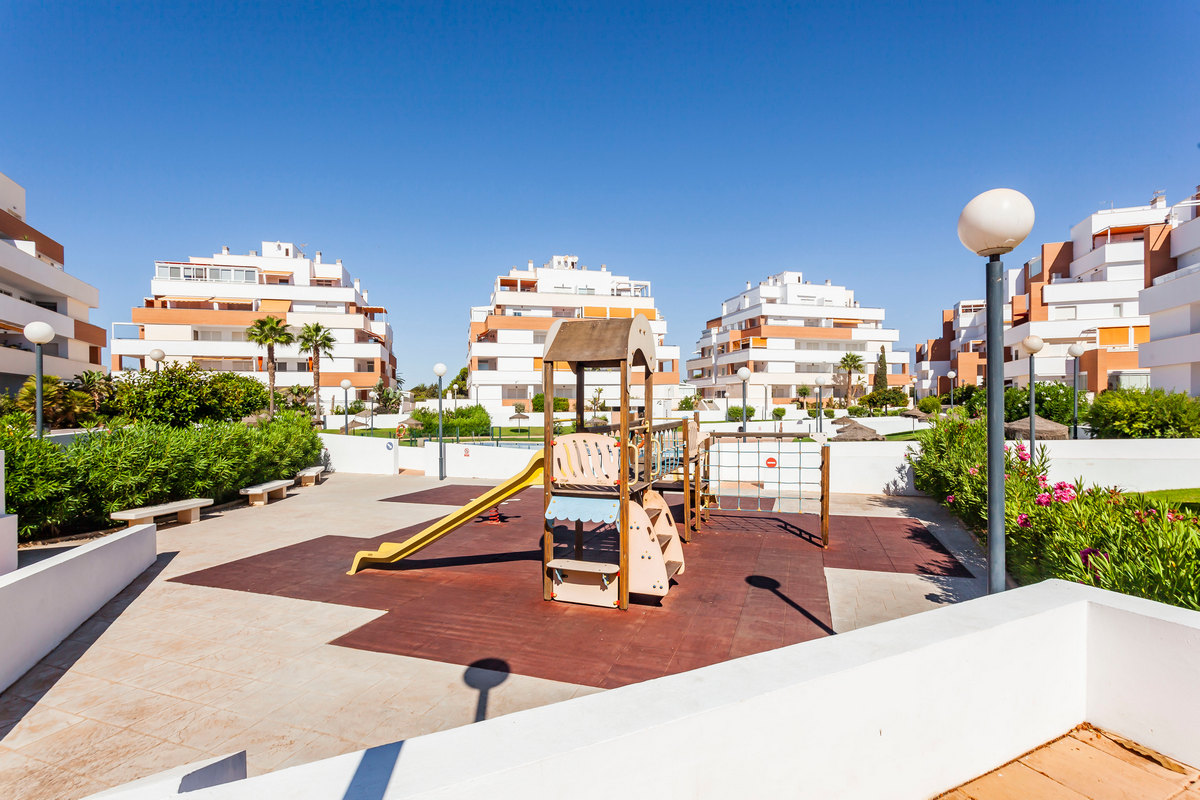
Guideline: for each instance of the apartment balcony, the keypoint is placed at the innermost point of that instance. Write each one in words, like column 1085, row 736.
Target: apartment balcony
column 1185, row 238
column 1070, row 291
column 1182, row 289
column 14, row 361
column 200, row 290
column 34, row 276
column 246, row 350
column 1068, row 329
column 1109, row 255
column 1169, row 351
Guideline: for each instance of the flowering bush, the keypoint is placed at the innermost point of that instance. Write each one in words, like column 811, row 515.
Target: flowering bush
column 1092, row 535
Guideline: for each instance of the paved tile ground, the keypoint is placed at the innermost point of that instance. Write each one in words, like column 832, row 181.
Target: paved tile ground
column 1087, row 764
column 170, row 671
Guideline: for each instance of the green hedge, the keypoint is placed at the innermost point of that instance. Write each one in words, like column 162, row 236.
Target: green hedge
column 56, row 490
column 472, row 420
column 734, row 413
column 1094, row 535
column 1144, row 414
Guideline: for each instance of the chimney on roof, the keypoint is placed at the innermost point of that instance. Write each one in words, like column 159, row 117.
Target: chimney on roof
column 531, row 263
column 338, row 262
column 747, row 284
column 318, row 258
column 253, row 252
column 225, row 250
column 366, row 297
column 357, row 286
column 827, row 282
column 1159, row 200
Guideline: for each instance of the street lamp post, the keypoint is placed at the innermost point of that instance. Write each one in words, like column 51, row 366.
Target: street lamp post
column 157, row 355
column 1033, row 345
column 38, row 333
column 346, row 384
column 820, row 381
column 992, row 224
column 744, row 374
column 951, row 375
column 439, row 369
column 1075, row 351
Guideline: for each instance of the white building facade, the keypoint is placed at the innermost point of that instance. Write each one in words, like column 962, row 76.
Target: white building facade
column 1087, row 290
column 1171, row 301
column 35, row 287
column 198, row 311
column 792, row 333
column 508, row 336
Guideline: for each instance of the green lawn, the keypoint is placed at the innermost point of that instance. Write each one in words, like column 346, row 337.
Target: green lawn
column 901, row 437
column 1186, row 498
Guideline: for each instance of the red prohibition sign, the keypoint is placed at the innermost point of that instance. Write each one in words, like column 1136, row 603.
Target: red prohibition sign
column 771, row 462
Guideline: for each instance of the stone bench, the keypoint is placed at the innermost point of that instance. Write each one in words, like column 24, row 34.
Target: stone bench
column 185, row 511
column 310, row 476
column 262, row 493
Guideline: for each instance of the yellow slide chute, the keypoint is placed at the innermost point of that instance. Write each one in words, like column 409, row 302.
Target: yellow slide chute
column 391, row 552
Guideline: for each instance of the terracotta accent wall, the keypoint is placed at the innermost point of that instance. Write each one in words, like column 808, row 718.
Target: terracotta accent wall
column 1157, row 253
column 194, row 316
column 13, row 228
column 969, row 367
column 92, row 334
column 1098, row 362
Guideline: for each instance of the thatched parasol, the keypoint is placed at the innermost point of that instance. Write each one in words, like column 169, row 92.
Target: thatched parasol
column 857, row 433
column 520, row 415
column 1043, row 429
column 915, row 413
column 410, row 423
column 840, row 421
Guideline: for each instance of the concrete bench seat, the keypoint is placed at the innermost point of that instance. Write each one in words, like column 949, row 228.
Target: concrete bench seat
column 185, row 511
column 310, row 476
column 262, row 493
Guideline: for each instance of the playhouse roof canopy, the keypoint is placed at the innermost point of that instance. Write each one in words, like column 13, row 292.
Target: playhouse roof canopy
column 602, row 343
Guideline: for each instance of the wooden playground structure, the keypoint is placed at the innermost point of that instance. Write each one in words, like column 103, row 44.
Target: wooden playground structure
column 592, row 476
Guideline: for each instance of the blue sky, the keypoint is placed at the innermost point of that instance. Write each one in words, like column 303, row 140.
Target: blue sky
column 434, row 145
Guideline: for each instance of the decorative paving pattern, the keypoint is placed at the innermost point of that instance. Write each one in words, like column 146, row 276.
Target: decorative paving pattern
column 753, row 582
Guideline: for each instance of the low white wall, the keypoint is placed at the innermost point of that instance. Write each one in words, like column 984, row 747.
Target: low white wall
column 1134, row 465
column 906, row 709
column 474, row 461
column 8, row 530
column 368, row 455
column 870, row 468
column 44, row 602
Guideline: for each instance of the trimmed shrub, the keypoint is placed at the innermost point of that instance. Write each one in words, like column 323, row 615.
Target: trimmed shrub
column 778, row 413
column 560, row 403
column 1144, row 414
column 929, row 405
column 829, row 413
column 56, row 490
column 183, row 394
column 734, row 413
column 686, row 403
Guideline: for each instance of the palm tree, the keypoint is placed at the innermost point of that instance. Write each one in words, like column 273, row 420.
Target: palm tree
column 268, row 332
column 852, row 363
column 316, row 339
column 95, row 384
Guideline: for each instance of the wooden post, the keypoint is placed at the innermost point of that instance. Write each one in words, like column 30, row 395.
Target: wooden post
column 623, row 505
column 647, row 442
column 686, row 463
column 578, row 429
column 547, row 475
column 825, row 496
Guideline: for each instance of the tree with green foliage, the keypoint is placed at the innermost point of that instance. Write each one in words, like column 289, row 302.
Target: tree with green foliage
column 802, row 392
column 268, row 332
column 316, row 340
column 881, row 372
column 885, row 397
column 779, row 413
column 184, row 394
column 687, row 403
column 1144, row 414
column 851, row 363
column 929, row 405
column 734, row 413
column 96, row 385
column 560, row 403
column 458, row 386
column 62, row 405
column 596, row 403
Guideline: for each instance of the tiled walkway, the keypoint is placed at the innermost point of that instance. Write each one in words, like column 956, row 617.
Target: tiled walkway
column 1087, row 764
column 172, row 671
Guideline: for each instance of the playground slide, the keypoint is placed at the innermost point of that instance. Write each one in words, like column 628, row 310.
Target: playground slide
column 391, row 552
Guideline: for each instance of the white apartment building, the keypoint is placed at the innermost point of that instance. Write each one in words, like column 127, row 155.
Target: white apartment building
column 790, row 333
column 198, row 311
column 508, row 336
column 34, row 286
column 962, row 347
column 1171, row 300
column 1086, row 290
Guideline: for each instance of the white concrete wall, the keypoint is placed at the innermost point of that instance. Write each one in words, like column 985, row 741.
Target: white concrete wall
column 8, row 527
column 859, row 715
column 44, row 602
column 870, row 468
column 369, row 455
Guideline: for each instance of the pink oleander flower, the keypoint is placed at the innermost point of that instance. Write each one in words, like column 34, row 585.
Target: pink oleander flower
column 1064, row 495
column 973, row 470
column 1043, row 481
column 1086, row 554
column 1023, row 521
column 1063, row 485
column 1023, row 455
column 950, row 498
column 1043, row 499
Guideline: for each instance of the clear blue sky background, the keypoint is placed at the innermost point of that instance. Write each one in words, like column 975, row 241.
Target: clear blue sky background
column 432, row 146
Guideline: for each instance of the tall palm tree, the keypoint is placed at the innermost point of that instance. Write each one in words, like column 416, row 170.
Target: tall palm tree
column 852, row 363
column 268, row 332
column 316, row 339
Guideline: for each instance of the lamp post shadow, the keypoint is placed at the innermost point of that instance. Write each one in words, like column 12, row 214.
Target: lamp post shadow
column 483, row 676
column 772, row 585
